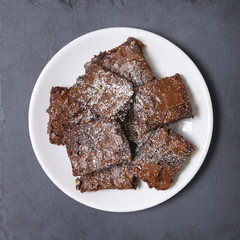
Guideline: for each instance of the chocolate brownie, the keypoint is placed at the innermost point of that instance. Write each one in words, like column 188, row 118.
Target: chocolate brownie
column 122, row 114
column 96, row 145
column 103, row 92
column 126, row 60
column 161, row 157
column 156, row 103
column 116, row 177
column 64, row 111
column 115, row 113
column 136, row 130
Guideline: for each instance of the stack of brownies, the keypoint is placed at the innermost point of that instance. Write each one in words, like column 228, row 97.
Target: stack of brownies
column 113, row 122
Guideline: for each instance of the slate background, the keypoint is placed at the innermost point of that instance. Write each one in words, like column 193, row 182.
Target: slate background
column 31, row 32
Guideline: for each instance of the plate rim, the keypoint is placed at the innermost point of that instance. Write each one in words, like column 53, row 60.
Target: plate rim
column 206, row 146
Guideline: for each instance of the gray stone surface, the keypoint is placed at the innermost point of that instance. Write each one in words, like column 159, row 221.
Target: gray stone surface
column 31, row 32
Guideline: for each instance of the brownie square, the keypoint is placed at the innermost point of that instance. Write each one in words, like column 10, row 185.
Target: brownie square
column 116, row 177
column 64, row 111
column 96, row 145
column 126, row 60
column 156, row 103
column 161, row 157
column 103, row 92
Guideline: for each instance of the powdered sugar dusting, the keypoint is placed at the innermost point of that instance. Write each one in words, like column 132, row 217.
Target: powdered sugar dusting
column 119, row 85
column 127, row 61
column 103, row 92
column 165, row 146
column 116, row 177
column 64, row 111
column 164, row 154
column 159, row 102
column 96, row 145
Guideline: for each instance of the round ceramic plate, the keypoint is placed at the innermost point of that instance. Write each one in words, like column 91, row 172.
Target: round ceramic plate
column 166, row 59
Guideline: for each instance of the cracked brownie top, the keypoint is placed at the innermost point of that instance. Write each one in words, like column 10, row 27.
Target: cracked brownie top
column 126, row 60
column 96, row 145
column 64, row 111
column 161, row 157
column 158, row 102
column 102, row 91
column 117, row 177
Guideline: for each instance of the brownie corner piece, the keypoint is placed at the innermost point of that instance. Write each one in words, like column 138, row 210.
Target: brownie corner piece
column 126, row 60
column 96, row 145
column 161, row 158
column 116, row 177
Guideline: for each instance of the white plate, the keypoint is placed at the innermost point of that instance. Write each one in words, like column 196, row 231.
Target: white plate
column 165, row 59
